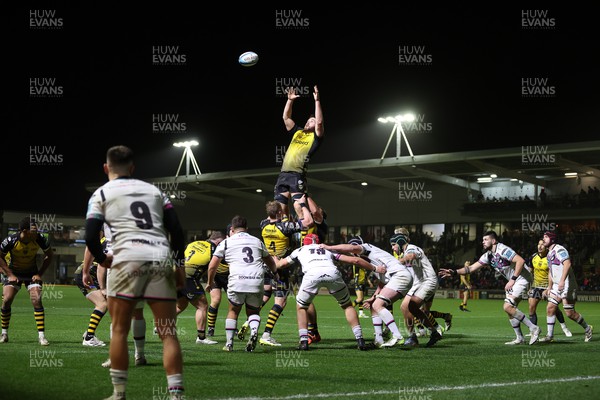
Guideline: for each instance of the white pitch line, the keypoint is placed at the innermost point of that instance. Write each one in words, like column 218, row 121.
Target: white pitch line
column 417, row 389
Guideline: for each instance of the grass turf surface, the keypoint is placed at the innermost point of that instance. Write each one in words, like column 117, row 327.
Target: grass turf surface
column 471, row 361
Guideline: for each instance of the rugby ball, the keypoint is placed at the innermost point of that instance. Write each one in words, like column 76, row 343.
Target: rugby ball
column 248, row 59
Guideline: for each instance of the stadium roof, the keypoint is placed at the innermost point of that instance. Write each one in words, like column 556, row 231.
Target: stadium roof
column 539, row 165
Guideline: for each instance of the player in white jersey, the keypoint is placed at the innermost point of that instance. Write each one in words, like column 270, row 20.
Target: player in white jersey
column 501, row 258
column 320, row 271
column 141, row 219
column 562, row 286
column 393, row 285
column 138, row 322
column 246, row 256
column 421, row 292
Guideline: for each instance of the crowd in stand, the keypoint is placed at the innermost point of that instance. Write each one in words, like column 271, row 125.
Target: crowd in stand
column 581, row 241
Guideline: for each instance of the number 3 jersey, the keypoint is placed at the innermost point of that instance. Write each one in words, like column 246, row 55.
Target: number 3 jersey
column 244, row 252
column 133, row 210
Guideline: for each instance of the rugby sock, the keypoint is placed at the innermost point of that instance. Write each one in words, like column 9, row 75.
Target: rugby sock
column 303, row 333
column 201, row 334
column 119, row 381
column 516, row 324
column 533, row 318
column 254, row 323
column 521, row 317
column 93, row 324
column 39, row 315
column 175, row 384
column 559, row 316
column 437, row 314
column 211, row 316
column 378, row 327
column 313, row 328
column 431, row 319
column 582, row 322
column 360, row 305
column 138, row 328
column 357, row 330
column 388, row 320
column 230, row 329
column 550, row 321
column 417, row 323
column 5, row 315
column 274, row 314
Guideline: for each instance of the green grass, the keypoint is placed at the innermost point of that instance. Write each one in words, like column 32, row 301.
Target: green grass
column 470, row 362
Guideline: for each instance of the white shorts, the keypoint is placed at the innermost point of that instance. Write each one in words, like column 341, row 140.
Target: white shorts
column 519, row 288
column 317, row 278
column 569, row 293
column 241, row 298
column 142, row 280
column 425, row 290
column 401, row 282
column 139, row 304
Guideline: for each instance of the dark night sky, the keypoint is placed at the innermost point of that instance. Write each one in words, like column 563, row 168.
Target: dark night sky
column 469, row 90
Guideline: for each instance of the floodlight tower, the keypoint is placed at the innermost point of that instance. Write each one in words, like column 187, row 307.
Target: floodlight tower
column 188, row 155
column 398, row 131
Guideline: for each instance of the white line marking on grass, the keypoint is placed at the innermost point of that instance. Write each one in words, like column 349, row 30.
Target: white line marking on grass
column 425, row 389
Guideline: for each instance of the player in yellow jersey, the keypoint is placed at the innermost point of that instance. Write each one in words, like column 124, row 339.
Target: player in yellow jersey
column 95, row 292
column 221, row 279
column 276, row 235
column 538, row 263
column 197, row 256
column 361, row 282
column 23, row 247
column 291, row 181
column 465, row 286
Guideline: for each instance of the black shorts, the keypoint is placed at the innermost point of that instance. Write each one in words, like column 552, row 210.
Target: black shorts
column 537, row 293
column 192, row 289
column 269, row 278
column 23, row 277
column 221, row 281
column 284, row 286
column 360, row 287
column 290, row 182
column 84, row 290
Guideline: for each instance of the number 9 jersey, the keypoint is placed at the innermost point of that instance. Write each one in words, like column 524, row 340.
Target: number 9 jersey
column 134, row 210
